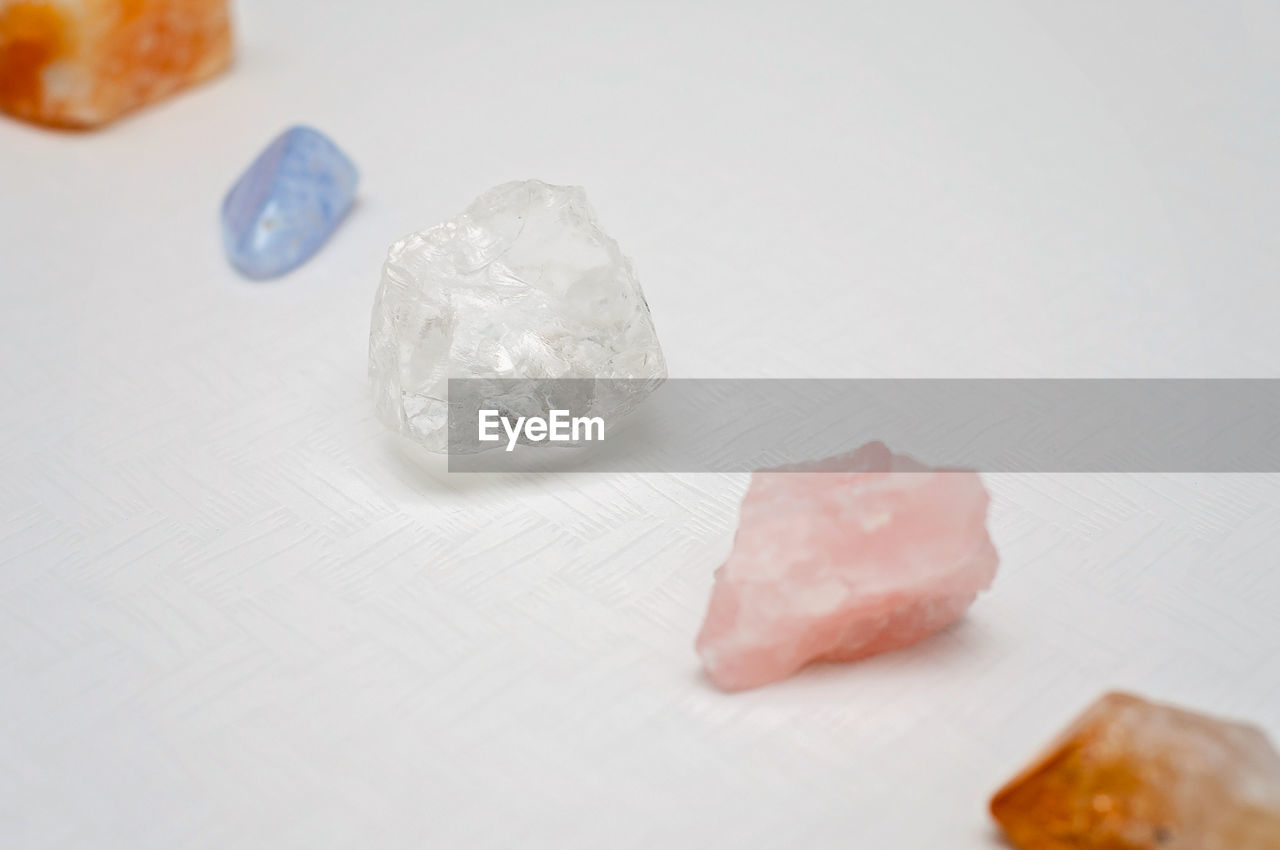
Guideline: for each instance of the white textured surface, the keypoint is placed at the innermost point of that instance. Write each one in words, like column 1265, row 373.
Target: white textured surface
column 231, row 616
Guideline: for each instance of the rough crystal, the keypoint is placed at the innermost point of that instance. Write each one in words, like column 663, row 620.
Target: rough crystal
column 81, row 63
column 288, row 202
column 1136, row 775
column 522, row 286
column 844, row 558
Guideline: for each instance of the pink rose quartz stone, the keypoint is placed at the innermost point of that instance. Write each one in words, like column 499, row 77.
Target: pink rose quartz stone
column 843, row 558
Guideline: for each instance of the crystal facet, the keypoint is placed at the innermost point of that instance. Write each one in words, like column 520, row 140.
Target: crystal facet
column 81, row 63
column 522, row 285
column 284, row 207
column 841, row 559
column 1135, row 775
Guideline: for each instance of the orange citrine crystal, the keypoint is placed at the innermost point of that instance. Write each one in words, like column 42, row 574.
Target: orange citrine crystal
column 82, row 63
column 1135, row 775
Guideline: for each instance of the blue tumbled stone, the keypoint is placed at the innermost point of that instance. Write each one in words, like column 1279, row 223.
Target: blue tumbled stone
column 286, row 204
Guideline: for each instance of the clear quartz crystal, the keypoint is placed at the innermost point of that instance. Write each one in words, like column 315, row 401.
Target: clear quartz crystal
column 521, row 286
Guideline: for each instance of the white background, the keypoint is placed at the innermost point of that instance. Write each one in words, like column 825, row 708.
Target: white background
column 232, row 615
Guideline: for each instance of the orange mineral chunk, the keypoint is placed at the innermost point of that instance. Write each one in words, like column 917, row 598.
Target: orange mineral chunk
column 82, row 63
column 1135, row 775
